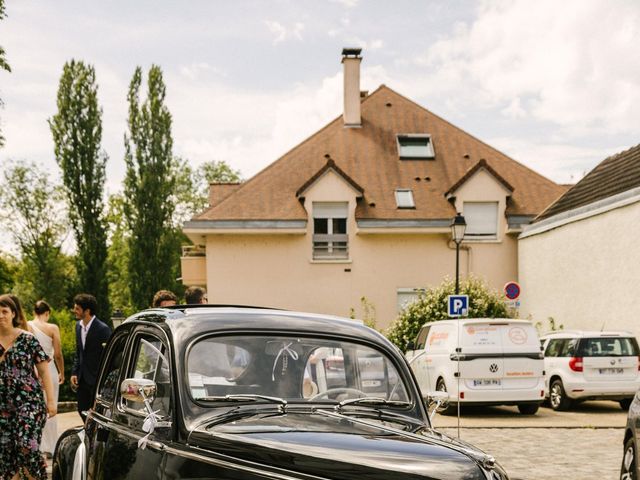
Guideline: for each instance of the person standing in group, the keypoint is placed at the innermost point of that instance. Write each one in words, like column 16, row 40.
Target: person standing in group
column 195, row 295
column 164, row 298
column 48, row 334
column 21, row 318
column 91, row 336
column 23, row 411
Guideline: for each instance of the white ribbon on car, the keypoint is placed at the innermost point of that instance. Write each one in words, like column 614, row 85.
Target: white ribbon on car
column 149, row 425
column 290, row 353
column 79, row 464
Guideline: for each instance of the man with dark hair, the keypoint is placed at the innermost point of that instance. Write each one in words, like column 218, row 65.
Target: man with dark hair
column 164, row 298
column 195, row 295
column 91, row 337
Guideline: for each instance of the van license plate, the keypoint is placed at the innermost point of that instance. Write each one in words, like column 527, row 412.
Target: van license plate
column 609, row 371
column 487, row 382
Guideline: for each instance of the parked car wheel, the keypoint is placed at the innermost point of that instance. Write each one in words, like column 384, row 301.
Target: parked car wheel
column 450, row 409
column 628, row 469
column 528, row 408
column 625, row 403
column 557, row 396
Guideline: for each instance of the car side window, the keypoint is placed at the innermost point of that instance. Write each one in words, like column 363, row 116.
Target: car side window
column 151, row 362
column 109, row 383
column 568, row 348
column 553, row 348
column 422, row 337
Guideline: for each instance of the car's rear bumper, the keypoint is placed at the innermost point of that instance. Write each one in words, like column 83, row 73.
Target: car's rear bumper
column 606, row 390
column 503, row 397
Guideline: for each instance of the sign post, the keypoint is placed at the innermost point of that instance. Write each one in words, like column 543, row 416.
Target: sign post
column 512, row 292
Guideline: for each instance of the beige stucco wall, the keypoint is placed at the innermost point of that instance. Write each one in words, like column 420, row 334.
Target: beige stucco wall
column 585, row 274
column 277, row 270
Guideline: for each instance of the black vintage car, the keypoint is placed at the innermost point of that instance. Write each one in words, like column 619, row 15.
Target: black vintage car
column 249, row 393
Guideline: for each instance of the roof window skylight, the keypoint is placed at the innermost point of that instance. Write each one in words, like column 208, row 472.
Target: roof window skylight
column 404, row 198
column 415, row 147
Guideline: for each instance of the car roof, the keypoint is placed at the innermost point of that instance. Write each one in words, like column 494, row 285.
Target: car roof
column 586, row 334
column 218, row 319
column 471, row 321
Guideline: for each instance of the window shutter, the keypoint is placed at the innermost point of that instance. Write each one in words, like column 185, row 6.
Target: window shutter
column 330, row 209
column 481, row 218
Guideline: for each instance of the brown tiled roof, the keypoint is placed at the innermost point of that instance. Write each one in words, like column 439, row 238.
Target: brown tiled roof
column 478, row 166
column 369, row 157
column 615, row 174
column 220, row 191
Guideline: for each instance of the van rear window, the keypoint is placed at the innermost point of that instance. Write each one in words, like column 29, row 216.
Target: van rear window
column 608, row 347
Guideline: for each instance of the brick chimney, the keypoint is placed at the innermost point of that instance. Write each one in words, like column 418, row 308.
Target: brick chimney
column 351, row 60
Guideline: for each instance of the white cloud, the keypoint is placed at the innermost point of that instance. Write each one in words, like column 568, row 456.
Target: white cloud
column 346, row 3
column 564, row 163
column 572, row 58
column 282, row 33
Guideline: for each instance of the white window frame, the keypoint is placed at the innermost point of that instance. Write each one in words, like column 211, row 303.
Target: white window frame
column 403, row 200
column 488, row 231
column 330, row 211
column 430, row 153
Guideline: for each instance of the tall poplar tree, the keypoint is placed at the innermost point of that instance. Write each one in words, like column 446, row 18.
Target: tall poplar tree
column 77, row 133
column 4, row 65
column 148, row 188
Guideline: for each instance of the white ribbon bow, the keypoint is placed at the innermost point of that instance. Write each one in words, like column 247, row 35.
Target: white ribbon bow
column 148, row 426
column 288, row 351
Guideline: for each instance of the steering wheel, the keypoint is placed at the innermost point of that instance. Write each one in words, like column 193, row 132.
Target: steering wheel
column 351, row 391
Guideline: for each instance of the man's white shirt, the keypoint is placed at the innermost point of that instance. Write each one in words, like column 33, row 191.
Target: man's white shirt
column 84, row 330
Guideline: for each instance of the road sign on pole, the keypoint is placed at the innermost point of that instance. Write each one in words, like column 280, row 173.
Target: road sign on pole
column 458, row 305
column 512, row 290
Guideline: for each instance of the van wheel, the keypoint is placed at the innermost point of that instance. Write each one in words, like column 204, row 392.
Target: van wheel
column 450, row 409
column 625, row 403
column 557, row 396
column 528, row 408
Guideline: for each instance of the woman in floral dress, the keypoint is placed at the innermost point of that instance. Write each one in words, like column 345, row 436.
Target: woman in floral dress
column 23, row 412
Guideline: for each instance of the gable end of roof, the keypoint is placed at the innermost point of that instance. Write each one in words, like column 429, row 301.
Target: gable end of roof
column 482, row 164
column 330, row 165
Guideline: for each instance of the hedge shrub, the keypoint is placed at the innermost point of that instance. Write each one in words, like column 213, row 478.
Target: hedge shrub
column 431, row 306
column 67, row 324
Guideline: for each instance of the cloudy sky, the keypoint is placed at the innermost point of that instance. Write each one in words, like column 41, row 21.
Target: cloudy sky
column 555, row 85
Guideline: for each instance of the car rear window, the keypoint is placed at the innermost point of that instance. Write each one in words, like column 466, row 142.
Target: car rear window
column 608, row 347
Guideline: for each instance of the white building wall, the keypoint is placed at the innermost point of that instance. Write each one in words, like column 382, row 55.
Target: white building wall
column 585, row 274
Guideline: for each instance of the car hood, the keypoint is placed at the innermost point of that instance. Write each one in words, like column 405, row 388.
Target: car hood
column 337, row 446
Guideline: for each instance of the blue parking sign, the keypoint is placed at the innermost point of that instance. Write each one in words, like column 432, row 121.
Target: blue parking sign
column 458, row 305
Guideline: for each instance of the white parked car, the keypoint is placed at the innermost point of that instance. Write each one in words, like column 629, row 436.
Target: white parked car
column 481, row 361
column 583, row 365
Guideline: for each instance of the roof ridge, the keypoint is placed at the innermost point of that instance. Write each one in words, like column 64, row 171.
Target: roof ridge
column 470, row 135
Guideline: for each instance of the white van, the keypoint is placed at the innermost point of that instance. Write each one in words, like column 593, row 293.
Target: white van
column 481, row 361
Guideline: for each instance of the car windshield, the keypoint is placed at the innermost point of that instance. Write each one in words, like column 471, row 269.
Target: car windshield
column 294, row 369
column 608, row 347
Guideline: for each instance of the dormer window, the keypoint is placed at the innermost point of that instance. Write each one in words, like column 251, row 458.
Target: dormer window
column 330, row 239
column 482, row 220
column 415, row 146
column 404, row 198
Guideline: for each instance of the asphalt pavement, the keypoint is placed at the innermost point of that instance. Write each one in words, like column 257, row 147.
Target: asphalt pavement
column 583, row 444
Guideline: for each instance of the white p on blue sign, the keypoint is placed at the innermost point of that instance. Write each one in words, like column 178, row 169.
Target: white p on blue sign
column 458, row 305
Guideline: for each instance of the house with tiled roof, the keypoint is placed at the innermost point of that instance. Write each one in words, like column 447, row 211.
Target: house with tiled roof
column 579, row 261
column 362, row 209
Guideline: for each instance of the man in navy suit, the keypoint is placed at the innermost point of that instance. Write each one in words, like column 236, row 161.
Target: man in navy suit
column 91, row 337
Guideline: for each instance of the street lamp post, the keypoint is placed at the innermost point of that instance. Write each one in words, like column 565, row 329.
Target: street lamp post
column 117, row 317
column 458, row 227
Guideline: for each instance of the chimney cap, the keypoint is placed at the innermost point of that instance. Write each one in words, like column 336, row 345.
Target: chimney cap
column 354, row 52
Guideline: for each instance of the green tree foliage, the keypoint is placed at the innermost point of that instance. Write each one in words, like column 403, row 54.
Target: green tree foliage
column 192, row 186
column 31, row 208
column 77, row 133
column 118, row 255
column 66, row 322
column 8, row 268
column 148, row 188
column 431, row 306
column 4, row 65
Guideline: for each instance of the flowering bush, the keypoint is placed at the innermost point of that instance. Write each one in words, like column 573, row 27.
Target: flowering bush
column 431, row 306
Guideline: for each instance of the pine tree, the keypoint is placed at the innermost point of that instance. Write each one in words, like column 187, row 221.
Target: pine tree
column 148, row 188
column 77, row 133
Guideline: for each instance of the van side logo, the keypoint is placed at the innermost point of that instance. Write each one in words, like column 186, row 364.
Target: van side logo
column 518, row 335
column 493, row 368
